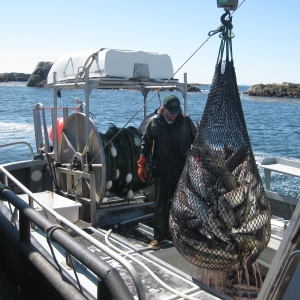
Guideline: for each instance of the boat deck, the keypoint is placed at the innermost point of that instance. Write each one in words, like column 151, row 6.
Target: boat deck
column 7, row 290
column 132, row 236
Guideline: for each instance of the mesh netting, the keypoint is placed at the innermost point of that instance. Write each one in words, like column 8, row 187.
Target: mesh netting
column 220, row 216
column 127, row 143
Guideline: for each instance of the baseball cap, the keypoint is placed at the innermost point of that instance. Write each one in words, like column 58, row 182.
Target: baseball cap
column 172, row 104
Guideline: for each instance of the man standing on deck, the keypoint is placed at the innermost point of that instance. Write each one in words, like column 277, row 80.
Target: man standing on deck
column 171, row 134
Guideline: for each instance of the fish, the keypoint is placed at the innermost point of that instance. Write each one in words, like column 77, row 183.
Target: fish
column 240, row 213
column 245, row 176
column 196, row 179
column 212, row 198
column 263, row 201
column 237, row 196
column 203, row 259
column 251, row 205
column 215, row 166
column 214, row 227
column 220, row 188
column 177, row 227
column 203, row 231
column 220, row 215
column 194, row 172
column 237, row 158
column 253, row 256
column 227, row 152
column 212, row 261
column 256, row 223
column 246, row 242
column 201, row 211
column 182, row 211
column 243, row 172
column 199, row 208
column 241, row 167
column 206, row 248
column 226, row 213
column 193, row 223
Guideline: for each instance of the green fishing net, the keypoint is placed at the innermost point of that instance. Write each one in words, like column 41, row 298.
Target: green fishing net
column 127, row 143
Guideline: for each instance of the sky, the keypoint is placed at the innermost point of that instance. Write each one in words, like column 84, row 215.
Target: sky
column 266, row 45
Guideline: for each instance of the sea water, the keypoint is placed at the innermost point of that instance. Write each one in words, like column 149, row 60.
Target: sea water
column 273, row 123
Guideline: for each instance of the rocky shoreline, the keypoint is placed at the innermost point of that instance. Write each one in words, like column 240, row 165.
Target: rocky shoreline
column 39, row 78
column 7, row 77
column 284, row 90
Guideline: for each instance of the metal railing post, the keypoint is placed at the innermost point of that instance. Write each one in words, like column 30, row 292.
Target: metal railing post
column 185, row 93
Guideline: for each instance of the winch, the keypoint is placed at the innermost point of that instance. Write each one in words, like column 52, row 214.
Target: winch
column 116, row 150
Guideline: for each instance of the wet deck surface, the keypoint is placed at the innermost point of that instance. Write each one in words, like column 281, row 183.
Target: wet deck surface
column 133, row 239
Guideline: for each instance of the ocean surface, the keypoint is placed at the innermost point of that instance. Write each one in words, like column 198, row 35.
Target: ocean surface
column 273, row 123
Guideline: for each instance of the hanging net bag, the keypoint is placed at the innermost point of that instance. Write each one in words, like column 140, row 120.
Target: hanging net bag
column 220, row 216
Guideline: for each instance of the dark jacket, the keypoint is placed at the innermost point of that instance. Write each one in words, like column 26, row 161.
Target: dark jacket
column 170, row 142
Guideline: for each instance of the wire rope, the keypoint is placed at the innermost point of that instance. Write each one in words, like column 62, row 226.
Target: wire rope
column 142, row 107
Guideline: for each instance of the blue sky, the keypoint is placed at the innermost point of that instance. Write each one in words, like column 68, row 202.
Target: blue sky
column 265, row 48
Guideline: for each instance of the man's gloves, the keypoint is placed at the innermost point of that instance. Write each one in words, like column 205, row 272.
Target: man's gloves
column 142, row 172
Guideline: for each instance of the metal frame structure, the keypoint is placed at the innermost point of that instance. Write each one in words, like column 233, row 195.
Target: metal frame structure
column 282, row 270
column 88, row 85
column 114, row 83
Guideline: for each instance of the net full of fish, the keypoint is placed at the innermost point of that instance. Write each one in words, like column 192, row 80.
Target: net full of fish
column 220, row 216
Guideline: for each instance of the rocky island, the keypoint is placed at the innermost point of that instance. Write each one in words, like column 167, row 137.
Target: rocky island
column 284, row 90
column 13, row 76
column 39, row 78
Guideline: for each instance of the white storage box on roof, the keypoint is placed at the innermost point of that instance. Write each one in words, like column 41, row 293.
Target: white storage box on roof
column 112, row 63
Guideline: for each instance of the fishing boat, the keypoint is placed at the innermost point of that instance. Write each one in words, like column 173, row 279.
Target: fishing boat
column 76, row 221
column 85, row 219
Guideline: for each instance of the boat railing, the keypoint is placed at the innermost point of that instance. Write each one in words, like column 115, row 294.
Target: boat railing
column 284, row 166
column 113, row 281
column 280, row 165
column 282, row 272
column 63, row 221
column 20, row 143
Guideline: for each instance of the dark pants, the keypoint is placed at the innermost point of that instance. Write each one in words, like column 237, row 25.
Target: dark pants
column 164, row 191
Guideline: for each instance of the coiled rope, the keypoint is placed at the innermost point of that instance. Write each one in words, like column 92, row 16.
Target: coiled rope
column 49, row 231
